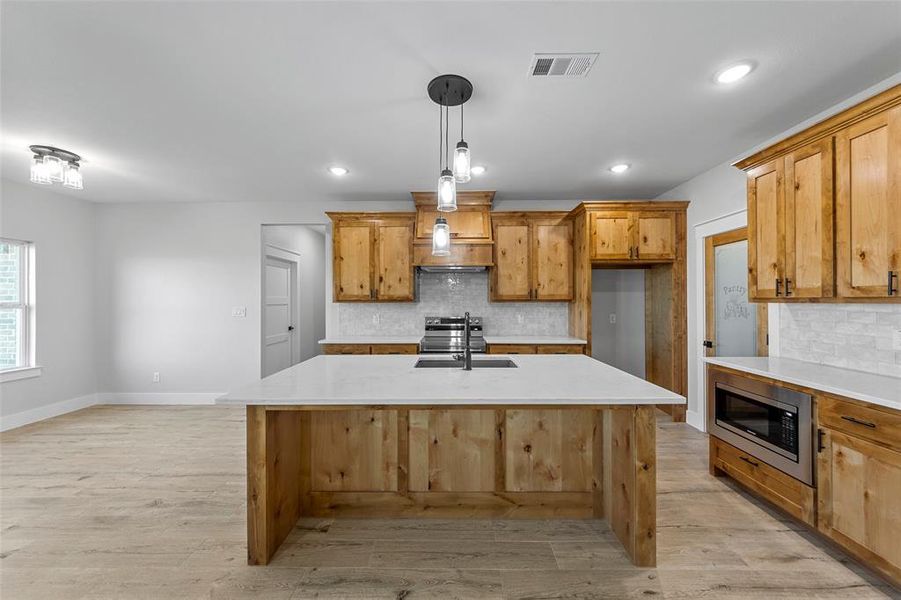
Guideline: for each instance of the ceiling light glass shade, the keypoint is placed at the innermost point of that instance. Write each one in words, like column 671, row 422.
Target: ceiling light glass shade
column 72, row 177
column 441, row 238
column 461, row 163
column 54, row 167
column 447, row 192
column 39, row 172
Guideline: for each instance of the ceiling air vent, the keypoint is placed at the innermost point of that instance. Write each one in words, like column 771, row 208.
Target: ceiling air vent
column 562, row 65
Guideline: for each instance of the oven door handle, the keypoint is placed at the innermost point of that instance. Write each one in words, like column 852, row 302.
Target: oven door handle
column 749, row 461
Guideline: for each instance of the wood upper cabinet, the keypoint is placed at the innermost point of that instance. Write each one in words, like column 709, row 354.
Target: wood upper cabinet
column 824, row 208
column 372, row 257
column 808, row 222
column 868, row 206
column 466, row 223
column 533, row 256
column 621, row 236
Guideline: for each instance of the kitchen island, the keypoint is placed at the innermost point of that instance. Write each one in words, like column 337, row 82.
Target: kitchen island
column 557, row 436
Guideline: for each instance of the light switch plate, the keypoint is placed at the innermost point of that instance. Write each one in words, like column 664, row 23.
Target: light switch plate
column 239, row 311
column 896, row 339
column 613, row 317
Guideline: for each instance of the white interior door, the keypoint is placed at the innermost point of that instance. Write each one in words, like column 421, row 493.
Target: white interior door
column 279, row 307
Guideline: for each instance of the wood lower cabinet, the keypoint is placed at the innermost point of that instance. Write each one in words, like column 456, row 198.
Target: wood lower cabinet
column 868, row 207
column 536, row 349
column 824, row 209
column 372, row 257
column 859, row 506
column 533, row 257
column 371, row 348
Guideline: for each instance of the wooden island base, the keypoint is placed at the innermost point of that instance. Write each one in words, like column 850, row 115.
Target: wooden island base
column 464, row 462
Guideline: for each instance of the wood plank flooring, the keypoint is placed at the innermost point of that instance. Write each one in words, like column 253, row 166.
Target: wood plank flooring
column 149, row 502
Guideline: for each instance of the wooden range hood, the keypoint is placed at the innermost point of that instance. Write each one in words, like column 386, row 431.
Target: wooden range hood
column 472, row 244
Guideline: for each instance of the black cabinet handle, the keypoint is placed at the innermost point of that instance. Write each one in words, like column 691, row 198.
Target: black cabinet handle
column 820, row 435
column 788, row 287
column 749, row 461
column 778, row 287
column 892, row 278
column 630, row 251
column 859, row 422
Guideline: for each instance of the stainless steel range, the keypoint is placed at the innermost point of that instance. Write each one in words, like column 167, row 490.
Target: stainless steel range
column 444, row 335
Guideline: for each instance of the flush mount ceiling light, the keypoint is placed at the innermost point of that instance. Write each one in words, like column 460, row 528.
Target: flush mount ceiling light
column 620, row 168
column 53, row 165
column 339, row 171
column 478, row 170
column 734, row 73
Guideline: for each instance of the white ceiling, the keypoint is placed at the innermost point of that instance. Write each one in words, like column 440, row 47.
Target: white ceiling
column 193, row 101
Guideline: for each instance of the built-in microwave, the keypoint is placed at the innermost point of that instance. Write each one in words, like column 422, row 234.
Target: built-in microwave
column 769, row 422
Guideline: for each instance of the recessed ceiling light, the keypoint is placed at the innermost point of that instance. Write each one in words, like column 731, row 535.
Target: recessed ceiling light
column 339, row 171
column 620, row 168
column 734, row 73
column 478, row 170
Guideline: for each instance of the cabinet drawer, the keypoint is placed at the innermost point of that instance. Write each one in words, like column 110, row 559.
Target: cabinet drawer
column 395, row 349
column 346, row 348
column 511, row 349
column 560, row 349
column 882, row 426
column 789, row 494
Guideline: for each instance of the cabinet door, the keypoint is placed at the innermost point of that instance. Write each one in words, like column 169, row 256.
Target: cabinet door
column 656, row 236
column 352, row 261
column 611, row 236
column 808, row 222
column 395, row 262
column 511, row 277
column 868, row 206
column 552, row 259
column 766, row 242
column 859, row 486
column 465, row 223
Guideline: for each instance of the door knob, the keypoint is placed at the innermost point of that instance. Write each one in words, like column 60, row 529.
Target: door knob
column 290, row 327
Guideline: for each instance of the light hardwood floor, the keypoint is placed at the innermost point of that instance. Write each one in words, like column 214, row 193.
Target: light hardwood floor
column 148, row 502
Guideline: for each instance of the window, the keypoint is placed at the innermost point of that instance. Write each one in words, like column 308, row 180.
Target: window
column 16, row 303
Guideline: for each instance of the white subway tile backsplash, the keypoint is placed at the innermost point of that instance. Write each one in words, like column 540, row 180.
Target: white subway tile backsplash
column 449, row 294
column 853, row 336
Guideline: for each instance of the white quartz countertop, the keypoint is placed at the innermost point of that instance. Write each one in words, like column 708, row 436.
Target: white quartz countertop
column 415, row 339
column 372, row 339
column 867, row 387
column 562, row 380
column 533, row 339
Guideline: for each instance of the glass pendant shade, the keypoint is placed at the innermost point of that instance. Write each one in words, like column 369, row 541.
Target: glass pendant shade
column 447, row 192
column 72, row 178
column 461, row 163
column 39, row 172
column 441, row 238
column 55, row 167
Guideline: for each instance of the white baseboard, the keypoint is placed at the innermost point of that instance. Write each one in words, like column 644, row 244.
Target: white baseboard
column 694, row 419
column 172, row 399
column 26, row 417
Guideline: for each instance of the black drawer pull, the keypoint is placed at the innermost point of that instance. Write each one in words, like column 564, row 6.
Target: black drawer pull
column 749, row 461
column 778, row 284
column 859, row 422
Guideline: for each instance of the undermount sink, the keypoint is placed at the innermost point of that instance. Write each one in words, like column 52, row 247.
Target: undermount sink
column 477, row 363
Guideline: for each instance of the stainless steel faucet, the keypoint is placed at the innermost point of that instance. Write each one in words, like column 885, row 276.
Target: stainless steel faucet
column 466, row 357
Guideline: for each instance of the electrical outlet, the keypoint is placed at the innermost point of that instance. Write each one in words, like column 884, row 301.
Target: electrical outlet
column 156, row 377
column 375, row 319
column 520, row 319
column 612, row 317
column 239, row 311
column 896, row 339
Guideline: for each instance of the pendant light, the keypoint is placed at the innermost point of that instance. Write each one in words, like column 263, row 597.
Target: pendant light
column 447, row 91
column 461, row 157
column 441, row 238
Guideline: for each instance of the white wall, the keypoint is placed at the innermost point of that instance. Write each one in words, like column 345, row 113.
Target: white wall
column 309, row 243
column 621, row 344
column 716, row 193
column 62, row 229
